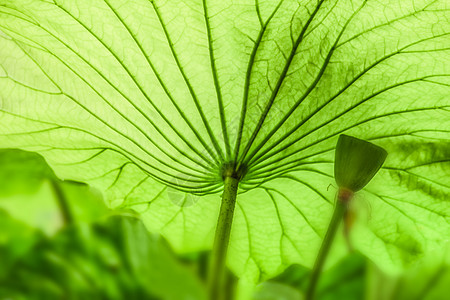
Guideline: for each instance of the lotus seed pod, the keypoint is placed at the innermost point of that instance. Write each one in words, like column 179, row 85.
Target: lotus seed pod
column 356, row 162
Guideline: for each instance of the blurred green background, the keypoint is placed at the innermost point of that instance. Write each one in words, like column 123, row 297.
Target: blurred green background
column 58, row 240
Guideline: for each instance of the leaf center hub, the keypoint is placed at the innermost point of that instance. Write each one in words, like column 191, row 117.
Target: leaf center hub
column 230, row 169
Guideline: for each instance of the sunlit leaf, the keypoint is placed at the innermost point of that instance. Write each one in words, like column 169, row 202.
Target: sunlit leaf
column 148, row 100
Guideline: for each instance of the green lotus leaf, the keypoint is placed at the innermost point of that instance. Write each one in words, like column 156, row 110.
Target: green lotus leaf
column 149, row 100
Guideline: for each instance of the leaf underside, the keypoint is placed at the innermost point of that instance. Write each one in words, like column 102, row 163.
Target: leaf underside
column 147, row 100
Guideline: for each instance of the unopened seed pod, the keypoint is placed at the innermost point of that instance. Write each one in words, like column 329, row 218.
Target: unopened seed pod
column 356, row 162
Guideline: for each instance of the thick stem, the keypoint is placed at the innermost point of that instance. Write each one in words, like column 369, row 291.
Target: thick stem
column 62, row 202
column 218, row 258
column 326, row 244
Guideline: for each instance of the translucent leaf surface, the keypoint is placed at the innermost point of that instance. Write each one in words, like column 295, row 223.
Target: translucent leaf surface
column 147, row 100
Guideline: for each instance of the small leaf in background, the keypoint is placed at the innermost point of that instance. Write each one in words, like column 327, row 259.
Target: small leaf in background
column 276, row 291
column 30, row 191
column 345, row 280
column 22, row 172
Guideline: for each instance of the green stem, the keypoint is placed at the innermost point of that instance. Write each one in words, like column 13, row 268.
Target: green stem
column 218, row 259
column 62, row 202
column 325, row 247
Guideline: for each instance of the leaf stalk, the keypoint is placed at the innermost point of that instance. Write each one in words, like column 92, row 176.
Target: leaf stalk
column 217, row 268
column 62, row 201
column 343, row 197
